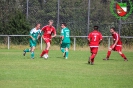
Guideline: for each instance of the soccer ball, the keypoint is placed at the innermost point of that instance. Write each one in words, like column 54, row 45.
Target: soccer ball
column 45, row 56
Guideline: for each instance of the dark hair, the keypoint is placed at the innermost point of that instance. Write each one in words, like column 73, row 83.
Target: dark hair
column 37, row 24
column 113, row 28
column 95, row 27
column 64, row 24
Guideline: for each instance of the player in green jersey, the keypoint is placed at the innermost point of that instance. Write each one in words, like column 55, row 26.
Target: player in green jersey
column 34, row 35
column 65, row 40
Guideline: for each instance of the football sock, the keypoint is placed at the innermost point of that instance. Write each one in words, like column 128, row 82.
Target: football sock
column 66, row 54
column 32, row 55
column 46, row 51
column 27, row 50
column 108, row 54
column 92, row 57
column 123, row 56
column 93, row 60
column 62, row 50
column 43, row 52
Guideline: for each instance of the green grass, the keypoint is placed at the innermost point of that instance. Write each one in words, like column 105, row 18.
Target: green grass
column 17, row 71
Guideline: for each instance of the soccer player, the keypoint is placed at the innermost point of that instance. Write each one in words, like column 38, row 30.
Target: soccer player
column 117, row 45
column 65, row 40
column 48, row 33
column 34, row 35
column 94, row 38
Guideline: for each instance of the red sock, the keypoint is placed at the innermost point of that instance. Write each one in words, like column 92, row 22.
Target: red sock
column 123, row 56
column 92, row 57
column 92, row 60
column 108, row 54
column 43, row 52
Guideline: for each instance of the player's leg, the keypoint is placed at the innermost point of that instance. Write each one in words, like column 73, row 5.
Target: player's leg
column 47, row 49
column 92, row 57
column 28, row 49
column 66, row 51
column 108, row 54
column 62, row 49
column 47, row 46
column 119, row 49
column 32, row 49
column 67, row 45
column 123, row 56
column 32, row 52
column 89, row 60
column 43, row 52
column 93, row 54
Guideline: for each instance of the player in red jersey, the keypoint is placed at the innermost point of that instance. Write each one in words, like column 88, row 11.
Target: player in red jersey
column 48, row 33
column 94, row 38
column 117, row 46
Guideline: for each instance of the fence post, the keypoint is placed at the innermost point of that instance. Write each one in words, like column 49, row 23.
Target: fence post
column 27, row 9
column 74, row 43
column 109, row 42
column 58, row 15
column 8, row 37
column 88, row 25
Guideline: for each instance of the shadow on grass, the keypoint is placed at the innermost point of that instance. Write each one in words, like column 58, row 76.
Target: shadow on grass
column 60, row 57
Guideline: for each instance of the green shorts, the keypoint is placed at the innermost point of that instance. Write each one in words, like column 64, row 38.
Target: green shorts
column 65, row 45
column 33, row 43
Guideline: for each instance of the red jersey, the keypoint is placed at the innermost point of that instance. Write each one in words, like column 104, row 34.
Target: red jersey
column 48, row 31
column 116, row 36
column 95, row 37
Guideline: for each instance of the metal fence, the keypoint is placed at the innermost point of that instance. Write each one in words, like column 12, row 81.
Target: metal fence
column 127, row 40
column 80, row 15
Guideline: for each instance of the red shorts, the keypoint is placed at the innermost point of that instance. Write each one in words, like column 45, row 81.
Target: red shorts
column 94, row 50
column 46, row 40
column 117, row 48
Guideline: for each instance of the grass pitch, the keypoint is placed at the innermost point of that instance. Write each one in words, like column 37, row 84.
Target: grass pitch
column 17, row 71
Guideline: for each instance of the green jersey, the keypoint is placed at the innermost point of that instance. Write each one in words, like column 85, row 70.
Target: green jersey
column 34, row 33
column 65, row 32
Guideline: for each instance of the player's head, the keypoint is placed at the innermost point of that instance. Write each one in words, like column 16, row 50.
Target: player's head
column 38, row 26
column 95, row 27
column 112, row 30
column 63, row 25
column 50, row 22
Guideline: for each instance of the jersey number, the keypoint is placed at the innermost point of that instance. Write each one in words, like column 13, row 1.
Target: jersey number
column 95, row 37
column 67, row 34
